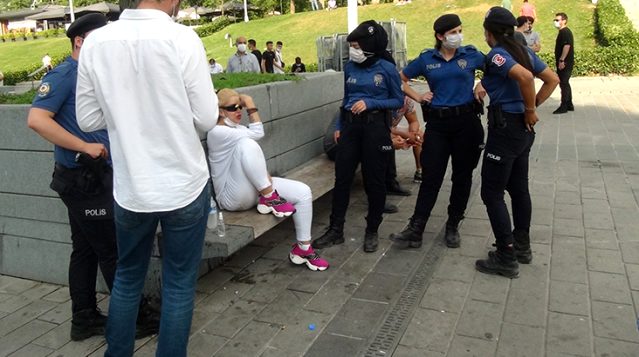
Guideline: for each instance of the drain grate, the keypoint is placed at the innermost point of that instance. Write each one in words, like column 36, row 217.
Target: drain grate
column 396, row 322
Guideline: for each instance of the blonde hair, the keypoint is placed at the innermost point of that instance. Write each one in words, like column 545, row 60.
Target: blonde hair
column 227, row 97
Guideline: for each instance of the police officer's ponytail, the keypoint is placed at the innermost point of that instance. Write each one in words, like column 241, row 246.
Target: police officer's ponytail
column 505, row 37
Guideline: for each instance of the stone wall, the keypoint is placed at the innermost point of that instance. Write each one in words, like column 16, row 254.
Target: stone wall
column 34, row 230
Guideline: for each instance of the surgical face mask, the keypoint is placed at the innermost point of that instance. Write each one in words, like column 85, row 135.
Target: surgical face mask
column 453, row 40
column 279, row 49
column 356, row 55
column 241, row 47
column 230, row 123
column 556, row 23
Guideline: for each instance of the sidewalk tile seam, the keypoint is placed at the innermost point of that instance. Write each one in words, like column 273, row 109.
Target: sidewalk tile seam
column 346, row 336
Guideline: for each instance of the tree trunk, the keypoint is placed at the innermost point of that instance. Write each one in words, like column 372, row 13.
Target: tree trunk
column 292, row 7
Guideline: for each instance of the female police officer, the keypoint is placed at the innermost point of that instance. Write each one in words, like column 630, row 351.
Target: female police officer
column 508, row 80
column 372, row 89
column 453, row 128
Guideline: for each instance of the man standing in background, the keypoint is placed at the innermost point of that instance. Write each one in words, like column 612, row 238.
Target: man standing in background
column 156, row 102
column 565, row 60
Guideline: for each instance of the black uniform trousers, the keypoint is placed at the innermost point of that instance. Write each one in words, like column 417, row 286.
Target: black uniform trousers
column 461, row 138
column 363, row 138
column 505, row 167
column 564, row 84
column 92, row 234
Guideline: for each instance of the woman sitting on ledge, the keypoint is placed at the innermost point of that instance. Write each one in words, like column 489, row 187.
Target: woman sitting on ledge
column 241, row 179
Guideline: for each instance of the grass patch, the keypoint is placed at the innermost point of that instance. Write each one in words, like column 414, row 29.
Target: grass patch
column 238, row 80
column 299, row 31
column 24, row 98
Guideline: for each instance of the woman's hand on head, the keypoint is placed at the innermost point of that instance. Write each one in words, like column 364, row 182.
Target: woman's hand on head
column 246, row 101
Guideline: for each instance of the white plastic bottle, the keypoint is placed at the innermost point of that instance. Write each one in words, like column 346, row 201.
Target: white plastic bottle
column 221, row 228
column 211, row 222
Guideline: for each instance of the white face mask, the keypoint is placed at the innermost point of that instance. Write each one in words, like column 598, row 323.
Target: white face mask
column 453, row 41
column 557, row 24
column 241, row 47
column 230, row 123
column 356, row 55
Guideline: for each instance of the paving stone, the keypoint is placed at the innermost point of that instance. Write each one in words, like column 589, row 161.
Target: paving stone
column 568, row 211
column 358, row 266
column 329, row 345
column 296, row 337
column 215, row 279
column 630, row 252
column 633, row 276
column 31, row 350
column 517, row 340
column 23, row 335
column 490, row 288
column 250, row 341
column 268, row 287
column 224, row 297
column 601, row 239
column 541, row 216
column 398, row 262
column 469, row 346
column 430, row 330
column 233, row 319
column 471, row 246
column 59, row 314
column 478, row 227
column 481, row 319
column 278, row 251
column 203, row 345
column 526, row 303
column 595, row 205
column 614, row 321
column 454, row 267
column 56, row 337
column 540, row 234
column 285, row 307
column 568, row 262
column 405, row 351
column 568, row 334
column 627, row 233
column 39, row 291
column 380, row 287
column 311, row 281
column 569, row 298
column 608, row 261
column 246, row 256
column 333, row 295
column 357, row 318
column 605, row 347
column 445, row 295
column 14, row 303
column 568, row 227
column 568, row 197
column 201, row 319
column 61, row 295
column 609, row 287
column 621, row 199
column 21, row 317
column 17, row 286
column 598, row 220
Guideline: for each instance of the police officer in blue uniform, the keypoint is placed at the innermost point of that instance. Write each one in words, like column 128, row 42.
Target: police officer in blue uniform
column 508, row 81
column 453, row 128
column 372, row 89
column 83, row 178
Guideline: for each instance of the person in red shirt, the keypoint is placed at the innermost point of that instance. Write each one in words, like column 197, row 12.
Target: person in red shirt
column 528, row 9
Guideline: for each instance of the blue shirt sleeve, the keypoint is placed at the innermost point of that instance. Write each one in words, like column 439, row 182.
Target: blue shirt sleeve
column 53, row 92
column 396, row 96
column 414, row 69
column 500, row 62
column 537, row 64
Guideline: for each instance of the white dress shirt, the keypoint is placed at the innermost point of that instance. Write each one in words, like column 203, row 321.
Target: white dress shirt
column 146, row 80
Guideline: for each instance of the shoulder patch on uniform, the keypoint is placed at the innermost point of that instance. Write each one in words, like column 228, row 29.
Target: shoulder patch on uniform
column 44, row 89
column 498, row 59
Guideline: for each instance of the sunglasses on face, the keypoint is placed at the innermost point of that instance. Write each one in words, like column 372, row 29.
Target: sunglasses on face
column 232, row 108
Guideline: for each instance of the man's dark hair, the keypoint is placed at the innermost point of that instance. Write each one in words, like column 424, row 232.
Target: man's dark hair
column 521, row 21
column 269, row 42
column 563, row 15
column 279, row 43
column 298, row 60
column 530, row 19
column 252, row 42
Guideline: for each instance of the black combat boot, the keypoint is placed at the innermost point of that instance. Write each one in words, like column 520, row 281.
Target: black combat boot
column 452, row 232
column 411, row 236
column 334, row 235
column 500, row 262
column 148, row 322
column 371, row 241
column 87, row 323
column 523, row 253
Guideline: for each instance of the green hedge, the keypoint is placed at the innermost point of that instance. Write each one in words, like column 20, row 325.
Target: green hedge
column 212, row 27
column 13, row 77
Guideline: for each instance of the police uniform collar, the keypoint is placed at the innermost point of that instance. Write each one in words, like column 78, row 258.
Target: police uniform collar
column 461, row 50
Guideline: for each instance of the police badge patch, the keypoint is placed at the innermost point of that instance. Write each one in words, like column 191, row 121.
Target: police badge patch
column 44, row 89
column 462, row 63
column 378, row 79
column 371, row 30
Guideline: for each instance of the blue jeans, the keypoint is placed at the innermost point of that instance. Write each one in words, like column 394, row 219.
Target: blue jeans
column 182, row 239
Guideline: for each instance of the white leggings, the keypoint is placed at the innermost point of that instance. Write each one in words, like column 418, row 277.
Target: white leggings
column 248, row 175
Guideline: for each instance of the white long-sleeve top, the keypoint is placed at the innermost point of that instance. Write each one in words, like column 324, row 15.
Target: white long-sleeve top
column 221, row 141
column 146, row 80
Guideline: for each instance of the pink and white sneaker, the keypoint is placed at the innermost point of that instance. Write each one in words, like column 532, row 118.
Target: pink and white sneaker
column 308, row 257
column 276, row 205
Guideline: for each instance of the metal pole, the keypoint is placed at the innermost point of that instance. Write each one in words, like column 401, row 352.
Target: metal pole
column 352, row 15
column 71, row 11
column 246, row 19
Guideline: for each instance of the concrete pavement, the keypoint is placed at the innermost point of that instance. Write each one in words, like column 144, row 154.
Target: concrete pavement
column 579, row 297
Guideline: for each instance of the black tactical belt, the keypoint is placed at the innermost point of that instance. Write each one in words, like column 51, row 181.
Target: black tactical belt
column 446, row 112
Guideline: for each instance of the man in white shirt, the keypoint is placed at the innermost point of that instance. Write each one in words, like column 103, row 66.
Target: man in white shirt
column 146, row 80
column 278, row 64
column 215, row 67
column 242, row 60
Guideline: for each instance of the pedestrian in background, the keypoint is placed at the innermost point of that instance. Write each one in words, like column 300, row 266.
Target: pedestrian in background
column 565, row 61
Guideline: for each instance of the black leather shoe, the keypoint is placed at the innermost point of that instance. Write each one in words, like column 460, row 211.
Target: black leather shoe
column 87, row 323
column 394, row 189
column 561, row 110
column 390, row 208
column 411, row 236
column 570, row 107
column 371, row 241
column 334, row 235
column 499, row 263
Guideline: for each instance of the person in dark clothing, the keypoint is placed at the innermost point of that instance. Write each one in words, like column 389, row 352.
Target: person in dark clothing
column 372, row 89
column 565, row 61
column 453, row 129
column 509, row 82
column 298, row 66
column 268, row 58
column 252, row 45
